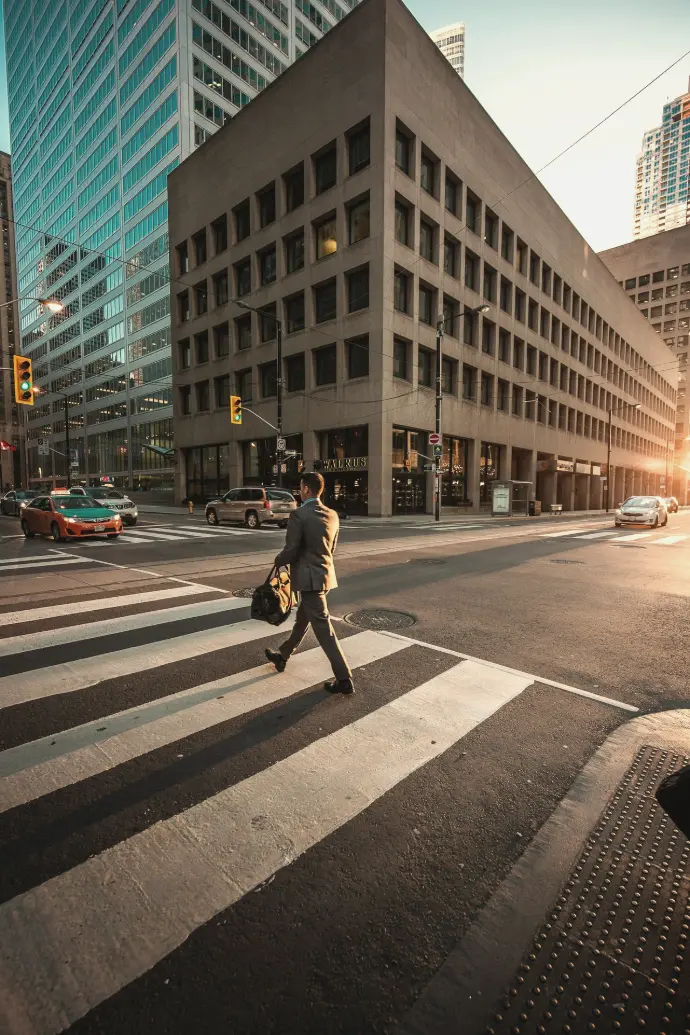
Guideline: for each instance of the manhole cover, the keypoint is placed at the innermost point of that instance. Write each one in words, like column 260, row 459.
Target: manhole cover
column 248, row 591
column 566, row 562
column 380, row 619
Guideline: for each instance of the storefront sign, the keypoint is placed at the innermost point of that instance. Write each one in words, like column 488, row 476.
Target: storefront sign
column 346, row 463
column 568, row 466
column 583, row 468
column 596, row 470
column 544, row 465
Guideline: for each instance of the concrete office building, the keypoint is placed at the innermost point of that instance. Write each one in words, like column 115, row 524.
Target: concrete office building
column 451, row 42
column 11, row 427
column 655, row 272
column 663, row 165
column 357, row 232
column 105, row 98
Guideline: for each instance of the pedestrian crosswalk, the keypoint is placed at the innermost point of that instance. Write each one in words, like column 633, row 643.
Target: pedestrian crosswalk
column 152, row 534
column 620, row 536
column 87, row 710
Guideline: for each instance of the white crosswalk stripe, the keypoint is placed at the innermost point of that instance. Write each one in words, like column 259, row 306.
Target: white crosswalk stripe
column 39, row 562
column 93, row 927
column 174, row 534
column 619, row 537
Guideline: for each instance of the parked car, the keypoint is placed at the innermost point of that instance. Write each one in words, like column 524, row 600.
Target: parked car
column 642, row 510
column 13, row 501
column 254, row 506
column 671, row 504
column 66, row 516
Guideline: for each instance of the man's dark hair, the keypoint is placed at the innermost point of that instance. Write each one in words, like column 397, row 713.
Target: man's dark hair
column 314, row 482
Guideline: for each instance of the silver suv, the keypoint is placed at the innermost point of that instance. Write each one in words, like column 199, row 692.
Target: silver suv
column 254, row 506
column 112, row 499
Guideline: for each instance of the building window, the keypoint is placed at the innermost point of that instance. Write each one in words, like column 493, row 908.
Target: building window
column 403, row 151
column 506, row 298
column 295, row 373
column 491, row 229
column 201, row 298
column 473, row 207
column 507, row 243
column 267, row 323
column 219, row 229
column 448, row 367
column 182, row 258
column 201, row 347
column 426, row 304
column 268, row 379
column 450, row 316
column 241, row 219
column 222, row 391
column 183, row 310
column 401, row 352
column 324, row 301
column 243, row 331
column 630, row 283
column 469, row 382
column 504, row 346
column 358, row 356
column 426, row 240
column 243, row 385
column 426, row 364
column 402, row 223
column 357, row 289
column 325, row 170
column 199, row 242
column 358, row 221
column 294, row 313
column 294, row 188
column 186, row 399
column 517, row 401
column 672, row 273
column 489, row 283
column 220, row 288
column 451, row 194
column 325, row 237
column 358, row 148
column 471, row 270
column 184, row 352
column 325, row 365
column 401, row 293
column 203, row 397
column 427, row 174
column 243, row 277
column 487, row 390
column 502, row 395
column 221, row 340
column 294, row 251
column 451, row 256
column 267, row 205
column 267, row 265
column 488, row 336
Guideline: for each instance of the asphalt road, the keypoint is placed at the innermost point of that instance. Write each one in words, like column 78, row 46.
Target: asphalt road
column 189, row 838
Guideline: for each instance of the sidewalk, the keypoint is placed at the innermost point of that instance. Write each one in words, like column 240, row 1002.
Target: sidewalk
column 589, row 931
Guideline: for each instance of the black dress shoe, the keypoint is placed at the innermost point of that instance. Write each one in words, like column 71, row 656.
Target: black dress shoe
column 276, row 658
column 339, row 686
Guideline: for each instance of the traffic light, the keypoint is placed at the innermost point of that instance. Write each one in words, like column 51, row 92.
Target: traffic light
column 235, row 409
column 23, row 381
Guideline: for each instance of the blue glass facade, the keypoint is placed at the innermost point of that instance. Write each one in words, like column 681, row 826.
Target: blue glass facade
column 105, row 99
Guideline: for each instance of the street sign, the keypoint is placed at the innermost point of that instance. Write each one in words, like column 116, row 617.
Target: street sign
column 434, row 438
column 429, row 467
column 281, row 444
column 74, row 465
column 290, row 452
column 43, row 447
column 283, row 468
column 438, row 450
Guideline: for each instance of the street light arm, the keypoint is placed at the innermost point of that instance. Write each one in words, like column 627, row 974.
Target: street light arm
column 51, row 303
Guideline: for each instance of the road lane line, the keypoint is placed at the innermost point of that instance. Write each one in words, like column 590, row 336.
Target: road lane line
column 637, row 535
column 76, row 607
column 516, row 672
column 68, row 677
column 598, row 535
column 12, row 645
column 31, row 770
column 160, row 885
column 13, row 565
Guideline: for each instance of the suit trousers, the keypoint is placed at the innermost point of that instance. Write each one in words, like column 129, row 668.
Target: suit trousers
column 313, row 610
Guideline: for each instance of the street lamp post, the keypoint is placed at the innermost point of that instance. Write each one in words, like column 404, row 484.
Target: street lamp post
column 279, row 381
column 440, row 330
column 635, row 406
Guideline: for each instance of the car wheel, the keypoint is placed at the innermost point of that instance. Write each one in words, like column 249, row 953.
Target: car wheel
column 617, row 524
column 113, row 535
column 251, row 519
column 28, row 534
column 55, row 532
column 656, row 522
column 212, row 517
column 282, row 524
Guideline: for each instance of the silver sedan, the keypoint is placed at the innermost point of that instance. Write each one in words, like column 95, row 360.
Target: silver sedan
column 642, row 510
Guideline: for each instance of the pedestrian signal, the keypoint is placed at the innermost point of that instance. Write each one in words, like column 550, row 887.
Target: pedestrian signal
column 235, row 409
column 23, row 381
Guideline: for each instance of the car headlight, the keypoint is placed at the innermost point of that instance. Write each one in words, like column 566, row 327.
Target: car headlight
column 73, row 521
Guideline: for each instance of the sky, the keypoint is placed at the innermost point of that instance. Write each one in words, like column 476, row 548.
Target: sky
column 547, row 71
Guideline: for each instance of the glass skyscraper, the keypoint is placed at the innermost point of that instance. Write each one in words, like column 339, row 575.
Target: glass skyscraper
column 106, row 97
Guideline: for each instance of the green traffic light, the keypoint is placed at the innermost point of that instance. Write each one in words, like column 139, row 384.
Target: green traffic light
column 25, row 386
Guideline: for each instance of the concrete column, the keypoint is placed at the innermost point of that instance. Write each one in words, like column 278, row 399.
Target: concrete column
column 310, row 449
column 596, row 493
column 235, row 464
column 618, row 487
column 475, row 455
column 380, row 469
column 581, row 497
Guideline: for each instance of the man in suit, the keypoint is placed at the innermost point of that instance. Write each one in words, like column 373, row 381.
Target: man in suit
column 312, row 535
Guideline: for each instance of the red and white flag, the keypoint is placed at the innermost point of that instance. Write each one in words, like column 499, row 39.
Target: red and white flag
column 7, row 445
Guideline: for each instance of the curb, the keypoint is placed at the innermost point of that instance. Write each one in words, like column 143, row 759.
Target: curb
column 477, row 972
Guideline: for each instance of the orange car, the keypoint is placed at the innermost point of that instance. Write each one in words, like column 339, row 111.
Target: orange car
column 69, row 517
